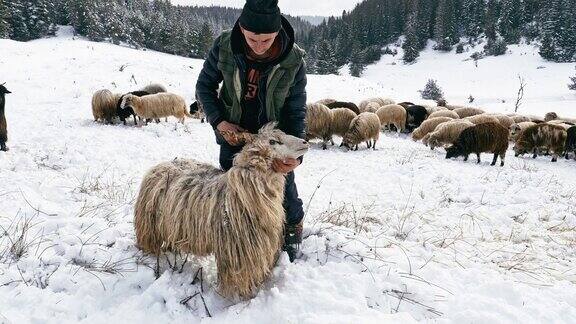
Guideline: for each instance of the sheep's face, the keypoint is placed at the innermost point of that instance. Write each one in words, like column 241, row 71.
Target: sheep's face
column 454, row 151
column 550, row 116
column 194, row 108
column 280, row 144
column 514, row 129
column 519, row 149
column 127, row 102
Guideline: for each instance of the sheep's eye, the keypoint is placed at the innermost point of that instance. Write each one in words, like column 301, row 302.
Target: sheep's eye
column 273, row 142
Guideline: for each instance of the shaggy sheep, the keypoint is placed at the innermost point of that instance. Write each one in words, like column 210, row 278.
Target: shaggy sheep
column 428, row 126
column 318, row 121
column 444, row 113
column 487, row 137
column 432, row 109
column 326, row 101
column 154, row 88
column 571, row 141
column 447, row 133
column 541, row 136
column 392, row 115
column 443, row 103
column 482, row 118
column 197, row 111
column 364, row 127
column 554, row 116
column 504, row 120
column 519, row 118
column 536, row 119
column 104, row 105
column 371, row 107
column 406, row 104
column 517, row 128
column 560, row 122
column 3, row 124
column 378, row 100
column 415, row 116
column 468, row 112
column 190, row 207
column 156, row 106
column 128, row 111
column 341, row 119
column 341, row 104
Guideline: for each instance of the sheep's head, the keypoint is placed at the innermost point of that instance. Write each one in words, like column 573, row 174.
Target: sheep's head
column 550, row 116
column 127, row 101
column 520, row 148
column 3, row 90
column 194, row 107
column 454, row 151
column 270, row 143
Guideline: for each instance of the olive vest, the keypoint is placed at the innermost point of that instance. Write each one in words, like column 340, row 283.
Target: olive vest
column 280, row 80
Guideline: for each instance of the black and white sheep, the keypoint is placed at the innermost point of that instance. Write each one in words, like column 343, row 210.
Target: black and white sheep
column 124, row 113
column 415, row 116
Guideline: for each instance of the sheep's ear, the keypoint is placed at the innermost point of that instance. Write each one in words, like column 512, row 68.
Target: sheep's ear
column 268, row 127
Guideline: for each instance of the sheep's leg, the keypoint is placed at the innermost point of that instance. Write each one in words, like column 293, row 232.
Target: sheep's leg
column 494, row 159
column 535, row 153
column 374, row 145
column 502, row 156
column 554, row 157
column 3, row 147
column 332, row 140
column 157, row 120
column 478, row 155
column 135, row 122
column 324, row 145
column 157, row 270
column 356, row 147
column 369, row 143
column 166, row 120
column 465, row 158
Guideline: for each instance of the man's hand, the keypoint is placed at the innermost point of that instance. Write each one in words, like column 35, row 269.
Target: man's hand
column 230, row 132
column 285, row 166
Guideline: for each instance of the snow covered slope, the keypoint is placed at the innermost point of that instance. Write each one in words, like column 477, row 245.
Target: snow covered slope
column 397, row 235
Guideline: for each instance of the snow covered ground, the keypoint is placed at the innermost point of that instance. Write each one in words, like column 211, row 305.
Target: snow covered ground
column 397, row 235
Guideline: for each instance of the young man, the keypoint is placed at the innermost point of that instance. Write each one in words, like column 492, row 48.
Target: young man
column 264, row 79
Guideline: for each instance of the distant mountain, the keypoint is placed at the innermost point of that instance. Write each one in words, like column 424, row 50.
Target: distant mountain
column 313, row 20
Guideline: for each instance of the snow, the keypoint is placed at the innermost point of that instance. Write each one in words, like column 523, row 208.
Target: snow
column 396, row 235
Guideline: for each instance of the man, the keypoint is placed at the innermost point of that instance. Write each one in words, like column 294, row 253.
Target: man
column 264, row 79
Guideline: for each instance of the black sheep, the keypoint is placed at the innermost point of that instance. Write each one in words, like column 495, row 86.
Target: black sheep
column 415, row 116
column 343, row 104
column 3, row 124
column 406, row 104
column 571, row 142
column 124, row 113
column 486, row 137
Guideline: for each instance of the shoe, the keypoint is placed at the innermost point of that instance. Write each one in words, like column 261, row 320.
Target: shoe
column 292, row 240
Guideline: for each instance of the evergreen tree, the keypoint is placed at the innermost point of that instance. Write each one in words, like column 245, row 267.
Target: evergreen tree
column 572, row 84
column 510, row 20
column 18, row 29
column 473, row 18
column 356, row 63
column 411, row 43
column 325, row 60
column 431, row 91
column 445, row 31
column 4, row 26
column 205, row 38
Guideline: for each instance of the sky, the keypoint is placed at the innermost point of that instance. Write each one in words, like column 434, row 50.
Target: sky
column 292, row 7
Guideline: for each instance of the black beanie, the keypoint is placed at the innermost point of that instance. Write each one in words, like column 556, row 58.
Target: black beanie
column 261, row 16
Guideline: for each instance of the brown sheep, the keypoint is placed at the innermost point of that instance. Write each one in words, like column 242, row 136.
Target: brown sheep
column 468, row 111
column 504, row 120
column 318, row 123
column 392, row 115
column 519, row 118
column 326, row 101
column 541, row 136
column 341, row 119
column 487, row 137
column 482, row 118
column 342, row 104
column 104, row 105
column 364, row 127
column 444, row 113
column 3, row 124
column 517, row 128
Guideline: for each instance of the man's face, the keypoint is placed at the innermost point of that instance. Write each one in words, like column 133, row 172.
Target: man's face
column 259, row 43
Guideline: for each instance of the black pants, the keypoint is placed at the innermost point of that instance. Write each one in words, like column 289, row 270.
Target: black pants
column 292, row 204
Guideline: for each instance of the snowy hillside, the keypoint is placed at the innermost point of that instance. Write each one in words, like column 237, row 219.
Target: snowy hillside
column 397, row 235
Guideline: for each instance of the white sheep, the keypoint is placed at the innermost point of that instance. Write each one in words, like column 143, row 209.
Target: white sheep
column 104, row 105
column 504, row 120
column 156, row 106
column 364, row 127
column 428, row 126
column 516, row 129
column 341, row 119
column 392, row 115
column 447, row 133
column 381, row 101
